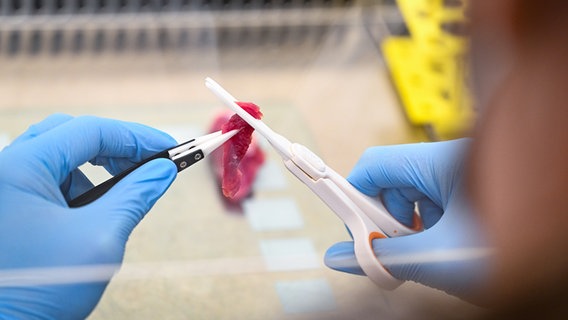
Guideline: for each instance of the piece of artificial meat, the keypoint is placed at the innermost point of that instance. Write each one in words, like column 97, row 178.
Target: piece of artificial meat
column 237, row 164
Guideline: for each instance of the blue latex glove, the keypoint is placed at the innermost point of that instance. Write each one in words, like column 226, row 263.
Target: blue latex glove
column 38, row 172
column 451, row 254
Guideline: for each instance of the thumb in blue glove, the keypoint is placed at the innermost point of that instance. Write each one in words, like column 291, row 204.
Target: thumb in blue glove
column 451, row 254
column 39, row 233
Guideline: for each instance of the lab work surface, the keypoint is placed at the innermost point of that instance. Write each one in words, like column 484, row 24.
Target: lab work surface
column 194, row 257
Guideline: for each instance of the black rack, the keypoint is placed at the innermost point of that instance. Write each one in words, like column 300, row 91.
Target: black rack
column 39, row 27
column 51, row 7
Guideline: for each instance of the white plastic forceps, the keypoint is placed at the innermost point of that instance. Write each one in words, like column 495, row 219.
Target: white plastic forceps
column 366, row 217
column 183, row 155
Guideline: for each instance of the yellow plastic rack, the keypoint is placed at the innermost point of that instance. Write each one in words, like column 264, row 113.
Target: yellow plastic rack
column 429, row 67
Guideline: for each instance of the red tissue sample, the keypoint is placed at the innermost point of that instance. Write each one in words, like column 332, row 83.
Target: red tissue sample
column 241, row 157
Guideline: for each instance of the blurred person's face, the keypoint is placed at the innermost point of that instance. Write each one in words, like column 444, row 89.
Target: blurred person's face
column 518, row 175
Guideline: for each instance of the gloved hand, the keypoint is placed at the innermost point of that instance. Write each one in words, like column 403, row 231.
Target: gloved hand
column 55, row 262
column 451, row 253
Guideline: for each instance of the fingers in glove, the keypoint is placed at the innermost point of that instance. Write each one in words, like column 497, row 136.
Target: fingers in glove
column 69, row 145
column 75, row 185
column 430, row 212
column 131, row 198
column 41, row 127
column 400, row 203
column 423, row 166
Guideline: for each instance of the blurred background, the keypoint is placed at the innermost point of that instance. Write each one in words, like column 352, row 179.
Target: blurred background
column 336, row 75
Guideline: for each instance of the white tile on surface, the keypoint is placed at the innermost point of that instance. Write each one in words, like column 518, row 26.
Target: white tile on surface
column 270, row 177
column 273, row 214
column 289, row 254
column 305, row 296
